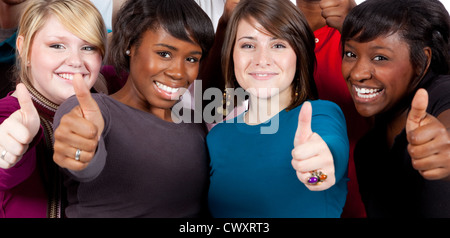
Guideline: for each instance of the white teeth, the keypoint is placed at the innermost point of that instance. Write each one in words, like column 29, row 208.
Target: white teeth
column 262, row 75
column 66, row 76
column 367, row 92
column 166, row 88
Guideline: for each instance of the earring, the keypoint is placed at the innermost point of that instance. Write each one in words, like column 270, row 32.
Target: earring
column 225, row 104
column 127, row 52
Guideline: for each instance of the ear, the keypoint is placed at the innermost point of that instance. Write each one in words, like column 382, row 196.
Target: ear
column 428, row 53
column 19, row 44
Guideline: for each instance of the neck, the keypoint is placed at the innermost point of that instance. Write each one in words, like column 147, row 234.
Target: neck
column 261, row 110
column 395, row 127
column 10, row 15
column 129, row 96
column 313, row 13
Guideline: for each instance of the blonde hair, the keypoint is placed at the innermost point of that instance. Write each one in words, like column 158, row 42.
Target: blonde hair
column 80, row 17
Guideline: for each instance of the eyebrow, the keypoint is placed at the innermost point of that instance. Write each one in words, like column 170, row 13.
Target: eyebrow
column 372, row 48
column 176, row 49
column 381, row 48
column 253, row 38
column 57, row 38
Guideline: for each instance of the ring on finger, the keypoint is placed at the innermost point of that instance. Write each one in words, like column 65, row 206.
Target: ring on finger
column 317, row 177
column 78, row 155
column 3, row 154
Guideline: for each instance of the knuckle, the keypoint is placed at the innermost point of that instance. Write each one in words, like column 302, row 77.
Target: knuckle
column 79, row 166
column 66, row 119
column 92, row 132
column 59, row 134
column 412, row 151
column 92, row 146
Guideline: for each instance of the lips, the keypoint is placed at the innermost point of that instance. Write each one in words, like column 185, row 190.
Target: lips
column 263, row 75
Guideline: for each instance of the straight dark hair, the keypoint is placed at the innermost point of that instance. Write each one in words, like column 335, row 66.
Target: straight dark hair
column 183, row 19
column 421, row 23
column 284, row 20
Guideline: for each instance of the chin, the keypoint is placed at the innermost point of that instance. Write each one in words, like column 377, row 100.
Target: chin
column 264, row 93
column 365, row 112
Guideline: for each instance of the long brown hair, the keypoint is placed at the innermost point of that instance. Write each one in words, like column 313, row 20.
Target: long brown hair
column 284, row 20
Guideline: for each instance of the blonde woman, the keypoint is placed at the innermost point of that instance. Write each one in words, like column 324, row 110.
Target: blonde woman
column 50, row 50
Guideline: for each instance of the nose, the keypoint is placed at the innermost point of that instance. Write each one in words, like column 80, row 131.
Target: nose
column 361, row 71
column 74, row 59
column 177, row 69
column 262, row 57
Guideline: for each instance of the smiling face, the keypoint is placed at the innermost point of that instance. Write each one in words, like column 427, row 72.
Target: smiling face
column 264, row 65
column 55, row 56
column 161, row 68
column 378, row 73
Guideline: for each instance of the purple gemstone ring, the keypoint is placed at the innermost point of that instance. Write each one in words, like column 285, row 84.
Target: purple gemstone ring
column 316, row 178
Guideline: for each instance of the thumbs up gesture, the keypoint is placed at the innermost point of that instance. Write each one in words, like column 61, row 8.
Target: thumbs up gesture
column 311, row 155
column 77, row 135
column 18, row 130
column 335, row 11
column 429, row 139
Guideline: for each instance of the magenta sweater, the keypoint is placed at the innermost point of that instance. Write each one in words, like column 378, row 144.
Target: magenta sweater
column 22, row 192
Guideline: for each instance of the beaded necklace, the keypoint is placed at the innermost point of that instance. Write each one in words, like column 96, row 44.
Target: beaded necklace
column 49, row 170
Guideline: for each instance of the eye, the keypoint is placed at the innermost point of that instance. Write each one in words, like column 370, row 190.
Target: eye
column 279, row 46
column 379, row 58
column 89, row 48
column 192, row 59
column 57, row 46
column 247, row 46
column 164, row 54
column 349, row 54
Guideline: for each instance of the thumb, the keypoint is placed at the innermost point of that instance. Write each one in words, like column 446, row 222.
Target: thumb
column 304, row 124
column 88, row 105
column 30, row 116
column 418, row 111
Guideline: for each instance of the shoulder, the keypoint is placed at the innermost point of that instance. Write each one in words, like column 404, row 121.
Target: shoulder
column 439, row 98
column 325, row 106
column 327, row 118
column 222, row 129
column 439, row 83
column 322, row 107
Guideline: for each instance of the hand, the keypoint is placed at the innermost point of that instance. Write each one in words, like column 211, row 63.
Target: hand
column 19, row 129
column 79, row 129
column 228, row 9
column 311, row 152
column 335, row 11
column 429, row 140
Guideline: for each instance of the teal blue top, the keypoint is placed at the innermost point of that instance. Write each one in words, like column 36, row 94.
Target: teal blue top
column 8, row 50
column 252, row 175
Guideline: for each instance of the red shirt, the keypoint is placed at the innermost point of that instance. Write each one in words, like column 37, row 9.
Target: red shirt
column 332, row 86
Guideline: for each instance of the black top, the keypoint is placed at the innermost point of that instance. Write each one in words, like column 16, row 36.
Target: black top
column 389, row 185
